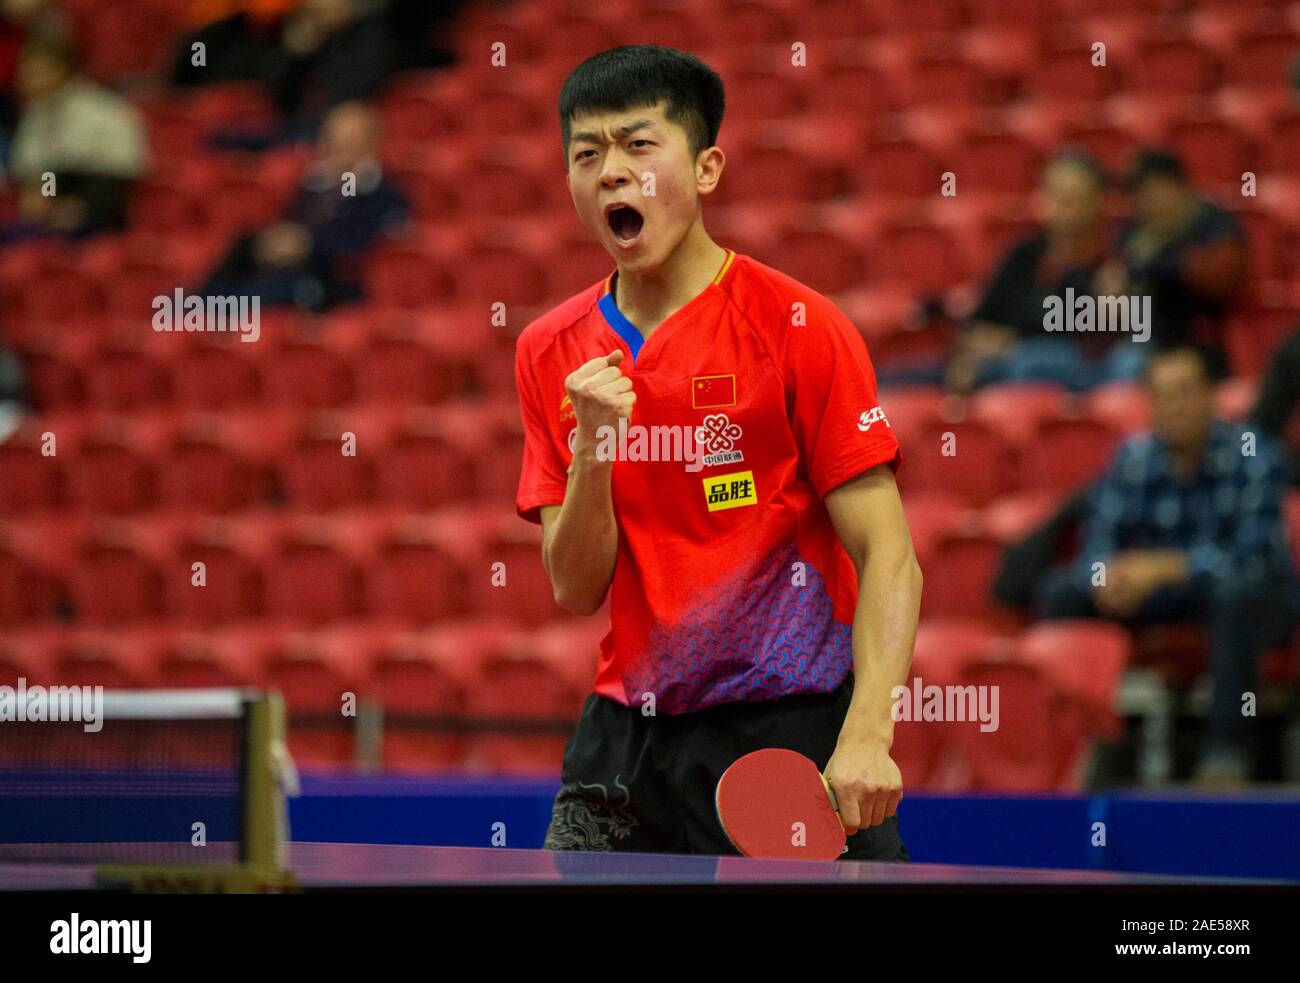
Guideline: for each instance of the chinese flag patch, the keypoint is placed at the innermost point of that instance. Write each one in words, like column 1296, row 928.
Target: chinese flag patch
column 712, row 391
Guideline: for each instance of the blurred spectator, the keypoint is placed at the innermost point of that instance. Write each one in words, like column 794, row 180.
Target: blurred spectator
column 1279, row 396
column 1188, row 527
column 89, row 139
column 1184, row 252
column 1005, row 340
column 421, row 27
column 236, row 36
column 327, row 52
column 12, row 393
column 331, row 52
column 19, row 20
column 312, row 257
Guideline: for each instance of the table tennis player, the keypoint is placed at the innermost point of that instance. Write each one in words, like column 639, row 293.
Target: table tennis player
column 763, row 592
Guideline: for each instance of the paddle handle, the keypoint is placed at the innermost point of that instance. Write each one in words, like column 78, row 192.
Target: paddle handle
column 831, row 792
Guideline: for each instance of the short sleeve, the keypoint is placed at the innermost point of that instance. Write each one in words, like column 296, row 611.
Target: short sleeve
column 543, row 478
column 839, row 426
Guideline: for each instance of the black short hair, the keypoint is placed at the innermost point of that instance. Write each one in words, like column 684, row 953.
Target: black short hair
column 639, row 75
column 1156, row 162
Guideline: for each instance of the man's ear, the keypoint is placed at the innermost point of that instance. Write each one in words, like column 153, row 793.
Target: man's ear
column 708, row 169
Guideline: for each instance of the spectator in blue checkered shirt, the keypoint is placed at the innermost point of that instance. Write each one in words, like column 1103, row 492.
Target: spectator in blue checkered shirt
column 1187, row 526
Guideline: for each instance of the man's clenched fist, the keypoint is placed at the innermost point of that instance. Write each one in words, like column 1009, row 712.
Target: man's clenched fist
column 601, row 394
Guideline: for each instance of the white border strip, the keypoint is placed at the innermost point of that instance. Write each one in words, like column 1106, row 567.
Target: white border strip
column 175, row 704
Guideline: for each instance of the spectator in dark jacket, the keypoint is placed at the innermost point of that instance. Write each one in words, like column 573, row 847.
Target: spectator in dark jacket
column 1005, row 340
column 1279, row 396
column 1184, row 252
column 1187, row 526
column 312, row 257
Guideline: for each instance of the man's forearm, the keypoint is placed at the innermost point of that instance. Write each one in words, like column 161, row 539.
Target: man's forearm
column 579, row 554
column 884, row 632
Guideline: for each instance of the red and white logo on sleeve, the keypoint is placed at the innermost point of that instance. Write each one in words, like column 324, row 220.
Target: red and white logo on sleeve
column 874, row 415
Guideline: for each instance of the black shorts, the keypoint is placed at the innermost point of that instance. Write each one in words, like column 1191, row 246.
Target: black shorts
column 646, row 783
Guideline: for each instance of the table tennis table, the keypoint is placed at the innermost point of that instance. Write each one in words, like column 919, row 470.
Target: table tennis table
column 386, row 867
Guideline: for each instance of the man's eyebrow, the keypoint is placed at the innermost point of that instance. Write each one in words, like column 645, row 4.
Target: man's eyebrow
column 590, row 136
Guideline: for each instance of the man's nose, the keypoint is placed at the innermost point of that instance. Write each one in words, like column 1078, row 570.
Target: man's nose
column 614, row 173
column 614, row 177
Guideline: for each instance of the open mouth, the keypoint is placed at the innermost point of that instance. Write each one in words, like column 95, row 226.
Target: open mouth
column 625, row 222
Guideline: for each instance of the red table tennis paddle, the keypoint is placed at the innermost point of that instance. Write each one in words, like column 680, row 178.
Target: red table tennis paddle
column 774, row 804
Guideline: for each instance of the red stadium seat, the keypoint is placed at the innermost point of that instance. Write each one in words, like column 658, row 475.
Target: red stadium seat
column 1067, row 77
column 418, row 675
column 207, row 659
column 523, row 682
column 999, row 163
column 414, row 579
column 931, row 516
column 31, row 470
column 207, row 475
column 314, row 579
column 127, row 376
column 507, row 578
column 1013, row 517
column 1284, row 146
column 1109, row 144
column 34, row 562
column 56, row 294
column 1066, row 455
column 162, row 207
column 230, row 589
column 922, row 748
column 31, row 653
column 1035, row 745
column 112, row 468
column 220, row 463
column 1123, row 406
column 1269, row 245
column 1216, row 153
column 765, row 84
column 822, row 259
column 921, row 258
column 1234, row 398
column 497, row 270
column 213, row 376
column 425, row 464
column 331, row 465
column 1017, row 412
column 308, row 371
column 959, row 577
column 1255, row 334
column 406, row 273
column 1169, row 68
column 1262, row 61
column 913, row 408
column 314, row 670
column 115, row 659
column 778, row 173
column 849, row 85
column 948, row 83
column 898, row 167
column 1085, row 661
column 967, row 458
column 117, row 576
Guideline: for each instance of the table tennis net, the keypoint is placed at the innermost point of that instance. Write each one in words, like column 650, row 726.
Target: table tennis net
column 163, row 779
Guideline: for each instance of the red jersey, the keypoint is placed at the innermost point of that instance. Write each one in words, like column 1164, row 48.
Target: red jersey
column 730, row 582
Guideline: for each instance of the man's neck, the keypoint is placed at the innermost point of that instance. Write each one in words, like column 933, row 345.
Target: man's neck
column 649, row 299
column 1187, row 459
